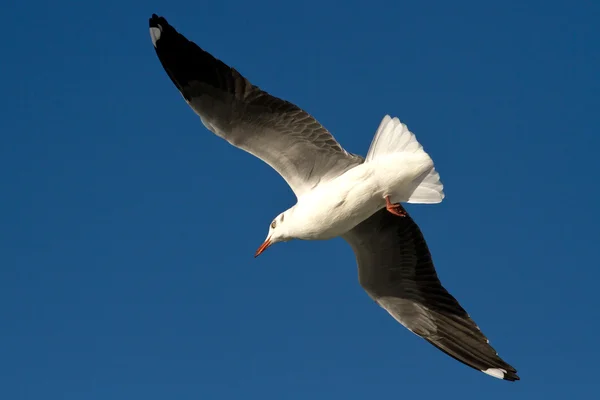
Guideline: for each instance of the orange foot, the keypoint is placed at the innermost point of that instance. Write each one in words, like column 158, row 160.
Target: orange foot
column 395, row 209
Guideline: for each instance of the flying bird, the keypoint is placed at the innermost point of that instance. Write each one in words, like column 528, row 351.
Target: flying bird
column 338, row 193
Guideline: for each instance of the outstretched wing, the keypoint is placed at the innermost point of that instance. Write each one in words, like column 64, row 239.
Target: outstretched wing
column 278, row 132
column 396, row 270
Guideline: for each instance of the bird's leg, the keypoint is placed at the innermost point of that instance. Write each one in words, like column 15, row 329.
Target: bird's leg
column 395, row 209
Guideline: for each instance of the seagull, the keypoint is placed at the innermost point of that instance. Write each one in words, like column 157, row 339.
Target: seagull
column 339, row 194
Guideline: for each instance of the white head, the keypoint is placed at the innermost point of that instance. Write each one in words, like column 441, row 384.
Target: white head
column 278, row 232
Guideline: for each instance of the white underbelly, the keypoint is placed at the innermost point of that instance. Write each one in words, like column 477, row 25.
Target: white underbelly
column 333, row 215
column 337, row 206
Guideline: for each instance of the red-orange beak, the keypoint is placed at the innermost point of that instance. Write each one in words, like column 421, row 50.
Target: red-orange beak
column 262, row 247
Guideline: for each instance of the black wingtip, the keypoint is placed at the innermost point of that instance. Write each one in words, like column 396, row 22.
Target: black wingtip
column 184, row 61
column 503, row 374
column 512, row 378
column 496, row 367
column 159, row 27
column 155, row 20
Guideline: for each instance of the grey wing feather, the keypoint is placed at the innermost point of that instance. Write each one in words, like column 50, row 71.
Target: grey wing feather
column 396, row 270
column 280, row 133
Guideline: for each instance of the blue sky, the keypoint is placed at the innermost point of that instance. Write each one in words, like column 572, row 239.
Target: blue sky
column 128, row 229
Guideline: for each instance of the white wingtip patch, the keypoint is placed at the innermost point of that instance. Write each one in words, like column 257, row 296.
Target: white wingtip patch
column 155, row 34
column 495, row 372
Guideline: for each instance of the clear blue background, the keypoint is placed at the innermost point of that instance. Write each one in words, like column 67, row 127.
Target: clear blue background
column 128, row 229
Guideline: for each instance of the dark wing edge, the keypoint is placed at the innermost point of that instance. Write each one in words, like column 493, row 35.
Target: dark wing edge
column 276, row 131
column 396, row 269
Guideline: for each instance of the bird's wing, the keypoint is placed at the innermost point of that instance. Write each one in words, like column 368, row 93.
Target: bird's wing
column 278, row 132
column 396, row 270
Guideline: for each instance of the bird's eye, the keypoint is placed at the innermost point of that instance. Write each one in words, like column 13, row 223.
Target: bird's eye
column 273, row 224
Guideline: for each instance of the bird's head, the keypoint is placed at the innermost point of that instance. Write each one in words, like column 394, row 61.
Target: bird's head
column 278, row 232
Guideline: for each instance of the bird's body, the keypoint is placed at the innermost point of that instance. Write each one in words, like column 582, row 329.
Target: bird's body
column 339, row 193
column 337, row 206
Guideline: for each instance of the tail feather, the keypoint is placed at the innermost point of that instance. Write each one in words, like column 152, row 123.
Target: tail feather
column 392, row 136
column 429, row 191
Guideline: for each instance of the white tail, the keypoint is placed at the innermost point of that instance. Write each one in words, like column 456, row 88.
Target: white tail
column 429, row 191
column 393, row 136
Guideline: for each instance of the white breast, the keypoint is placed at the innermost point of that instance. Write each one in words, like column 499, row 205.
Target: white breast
column 335, row 207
